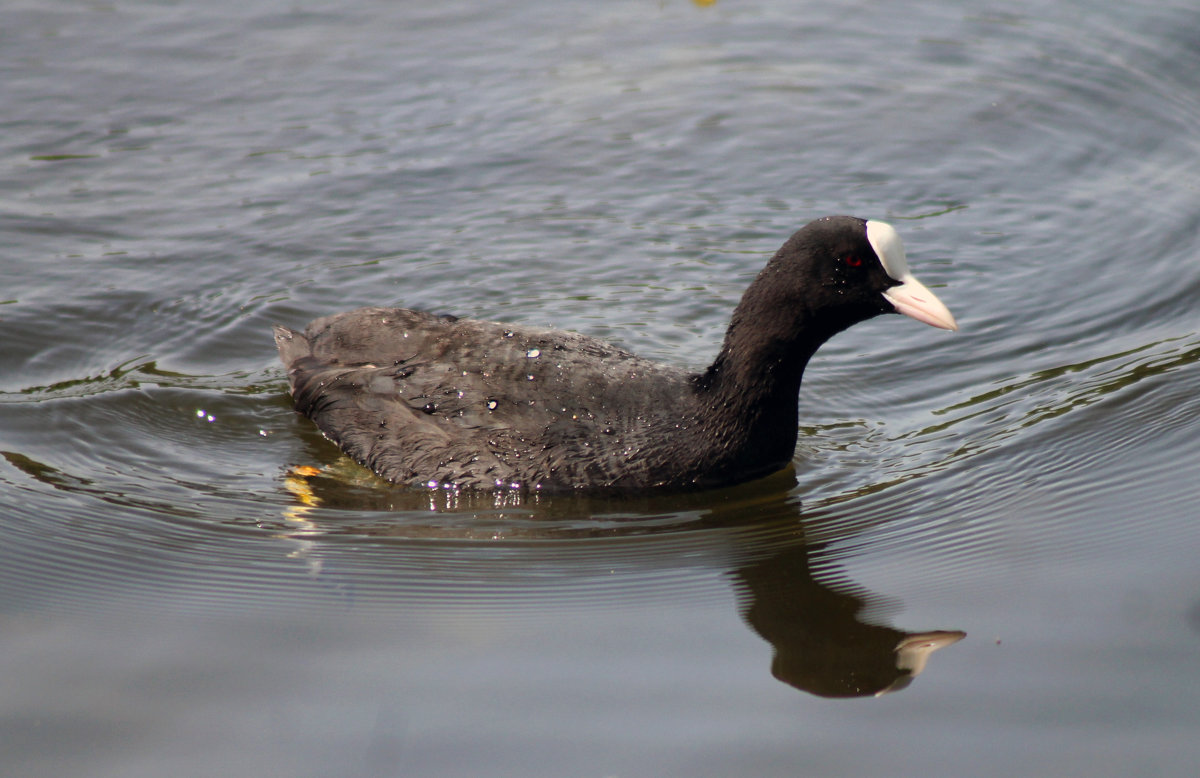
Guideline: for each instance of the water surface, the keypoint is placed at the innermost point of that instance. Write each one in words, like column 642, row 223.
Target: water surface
column 194, row 581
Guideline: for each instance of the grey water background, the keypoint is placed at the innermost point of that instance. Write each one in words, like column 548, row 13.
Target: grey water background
column 179, row 594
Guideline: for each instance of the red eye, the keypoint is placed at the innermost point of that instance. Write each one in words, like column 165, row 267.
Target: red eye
column 852, row 260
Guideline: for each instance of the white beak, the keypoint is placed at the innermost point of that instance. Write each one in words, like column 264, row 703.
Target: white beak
column 912, row 298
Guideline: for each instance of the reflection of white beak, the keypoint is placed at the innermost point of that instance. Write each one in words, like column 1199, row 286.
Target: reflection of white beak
column 914, row 650
column 912, row 298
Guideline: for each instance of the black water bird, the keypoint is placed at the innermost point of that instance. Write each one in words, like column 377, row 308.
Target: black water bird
column 447, row 402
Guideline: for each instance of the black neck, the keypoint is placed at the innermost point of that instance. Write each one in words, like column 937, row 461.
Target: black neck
column 749, row 394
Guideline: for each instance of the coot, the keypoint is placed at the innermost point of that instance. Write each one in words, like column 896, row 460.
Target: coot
column 460, row 403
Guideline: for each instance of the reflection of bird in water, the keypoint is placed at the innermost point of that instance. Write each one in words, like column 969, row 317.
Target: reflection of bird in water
column 821, row 645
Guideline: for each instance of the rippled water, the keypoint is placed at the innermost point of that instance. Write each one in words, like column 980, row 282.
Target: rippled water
column 194, row 581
